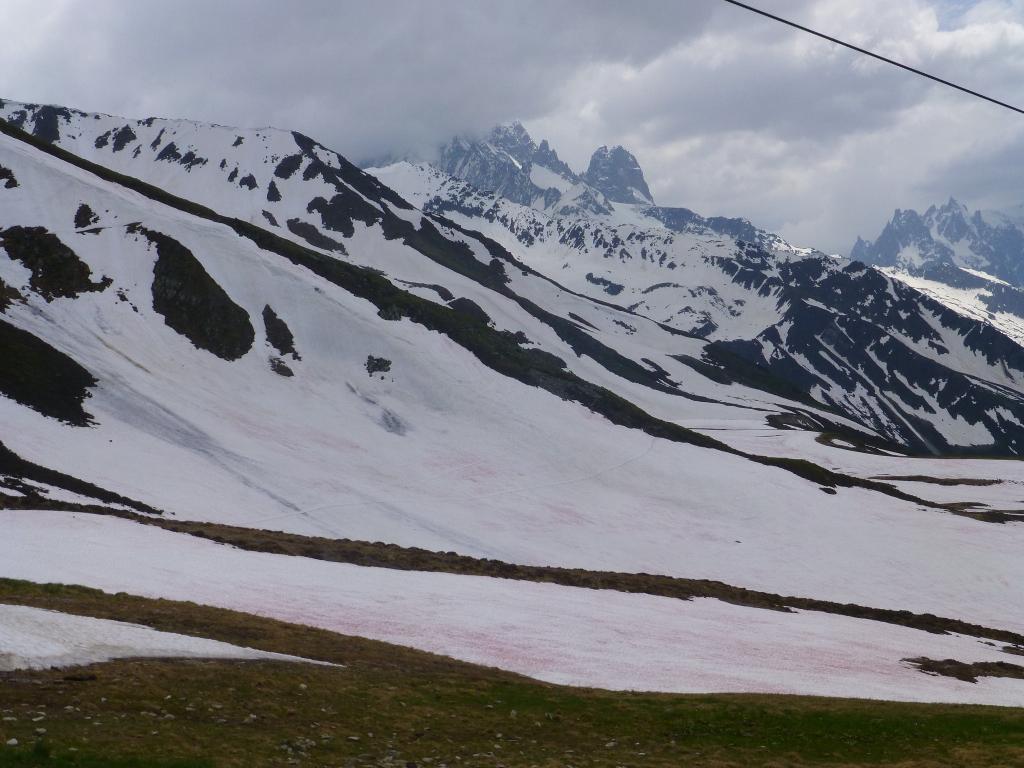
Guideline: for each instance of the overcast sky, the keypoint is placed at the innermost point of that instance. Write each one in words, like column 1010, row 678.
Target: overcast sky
column 728, row 113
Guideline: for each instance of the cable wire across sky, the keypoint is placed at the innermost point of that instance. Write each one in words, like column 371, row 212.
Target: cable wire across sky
column 873, row 55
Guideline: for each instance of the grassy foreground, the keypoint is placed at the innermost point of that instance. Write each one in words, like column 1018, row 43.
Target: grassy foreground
column 393, row 706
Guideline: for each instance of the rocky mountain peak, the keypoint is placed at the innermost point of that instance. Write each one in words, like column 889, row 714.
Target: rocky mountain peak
column 950, row 221
column 616, row 172
column 509, row 162
column 548, row 158
column 949, row 235
column 507, row 135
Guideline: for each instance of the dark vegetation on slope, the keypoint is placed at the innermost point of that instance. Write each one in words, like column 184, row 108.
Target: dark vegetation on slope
column 8, row 296
column 377, row 365
column 469, row 307
column 725, row 367
column 314, row 236
column 612, row 289
column 7, row 177
column 280, row 367
column 15, row 471
column 499, row 350
column 38, row 376
column 171, row 154
column 57, row 272
column 192, row 303
column 45, row 120
column 940, row 480
column 85, row 217
column 969, row 672
column 122, row 137
column 279, row 334
column 287, row 167
column 394, row 706
column 379, row 554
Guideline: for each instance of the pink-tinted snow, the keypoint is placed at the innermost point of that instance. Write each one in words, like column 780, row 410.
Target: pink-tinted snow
column 559, row 634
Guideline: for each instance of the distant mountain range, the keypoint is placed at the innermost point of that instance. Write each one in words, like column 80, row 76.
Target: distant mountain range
column 972, row 262
column 950, row 236
column 792, row 319
column 510, row 164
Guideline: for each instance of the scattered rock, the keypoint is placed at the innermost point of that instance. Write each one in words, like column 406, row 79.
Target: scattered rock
column 377, row 365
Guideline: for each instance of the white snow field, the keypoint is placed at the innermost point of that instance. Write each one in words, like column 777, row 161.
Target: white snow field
column 582, row 637
column 33, row 638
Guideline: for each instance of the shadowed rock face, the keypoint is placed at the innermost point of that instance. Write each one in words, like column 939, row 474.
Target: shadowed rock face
column 617, row 174
column 7, row 177
column 192, row 303
column 85, row 217
column 36, row 375
column 279, row 334
column 57, row 272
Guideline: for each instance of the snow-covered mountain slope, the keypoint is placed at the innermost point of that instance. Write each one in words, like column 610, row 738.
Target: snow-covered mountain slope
column 794, row 320
column 417, row 383
column 445, row 449
column 786, row 320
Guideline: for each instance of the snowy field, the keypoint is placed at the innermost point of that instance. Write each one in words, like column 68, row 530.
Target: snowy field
column 1001, row 486
column 559, row 634
column 33, row 638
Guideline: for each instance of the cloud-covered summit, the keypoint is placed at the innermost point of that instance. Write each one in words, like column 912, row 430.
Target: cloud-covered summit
column 727, row 112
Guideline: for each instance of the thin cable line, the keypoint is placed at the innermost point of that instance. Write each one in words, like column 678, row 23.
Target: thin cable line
column 866, row 52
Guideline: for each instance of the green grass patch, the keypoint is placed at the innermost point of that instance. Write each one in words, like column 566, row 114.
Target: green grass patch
column 40, row 754
column 395, row 706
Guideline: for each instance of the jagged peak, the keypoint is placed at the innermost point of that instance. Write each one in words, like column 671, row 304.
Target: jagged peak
column 511, row 136
column 904, row 216
column 616, row 172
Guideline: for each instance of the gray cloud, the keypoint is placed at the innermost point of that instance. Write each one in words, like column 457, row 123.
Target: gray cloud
column 729, row 113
